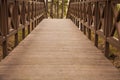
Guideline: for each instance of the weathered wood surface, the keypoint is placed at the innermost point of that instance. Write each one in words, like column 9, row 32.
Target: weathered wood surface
column 57, row 50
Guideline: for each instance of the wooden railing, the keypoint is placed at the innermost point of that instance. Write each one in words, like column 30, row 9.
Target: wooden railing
column 100, row 16
column 18, row 15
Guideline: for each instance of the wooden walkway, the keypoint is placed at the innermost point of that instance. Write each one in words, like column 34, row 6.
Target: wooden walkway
column 57, row 50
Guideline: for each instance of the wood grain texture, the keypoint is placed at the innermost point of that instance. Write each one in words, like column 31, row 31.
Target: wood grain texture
column 57, row 50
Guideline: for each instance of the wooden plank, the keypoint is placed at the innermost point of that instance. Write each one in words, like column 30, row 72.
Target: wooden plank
column 57, row 50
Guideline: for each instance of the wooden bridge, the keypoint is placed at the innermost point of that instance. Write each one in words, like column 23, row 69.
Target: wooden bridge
column 56, row 49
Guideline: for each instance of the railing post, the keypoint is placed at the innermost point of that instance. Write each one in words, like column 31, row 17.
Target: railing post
column 23, row 19
column 80, row 14
column 96, row 23
column 32, row 16
column 35, row 14
column 51, row 11
column 58, row 9
column 77, row 14
column 16, row 22
column 47, row 6
column 108, row 24
column 74, row 12
column 28, row 17
column 69, row 11
column 4, row 25
column 89, row 20
column 84, row 15
column 62, row 15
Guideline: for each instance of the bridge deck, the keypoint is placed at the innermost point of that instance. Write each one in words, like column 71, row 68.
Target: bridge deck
column 57, row 50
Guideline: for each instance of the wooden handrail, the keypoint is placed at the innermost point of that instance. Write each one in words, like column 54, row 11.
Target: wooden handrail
column 18, row 15
column 99, row 16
